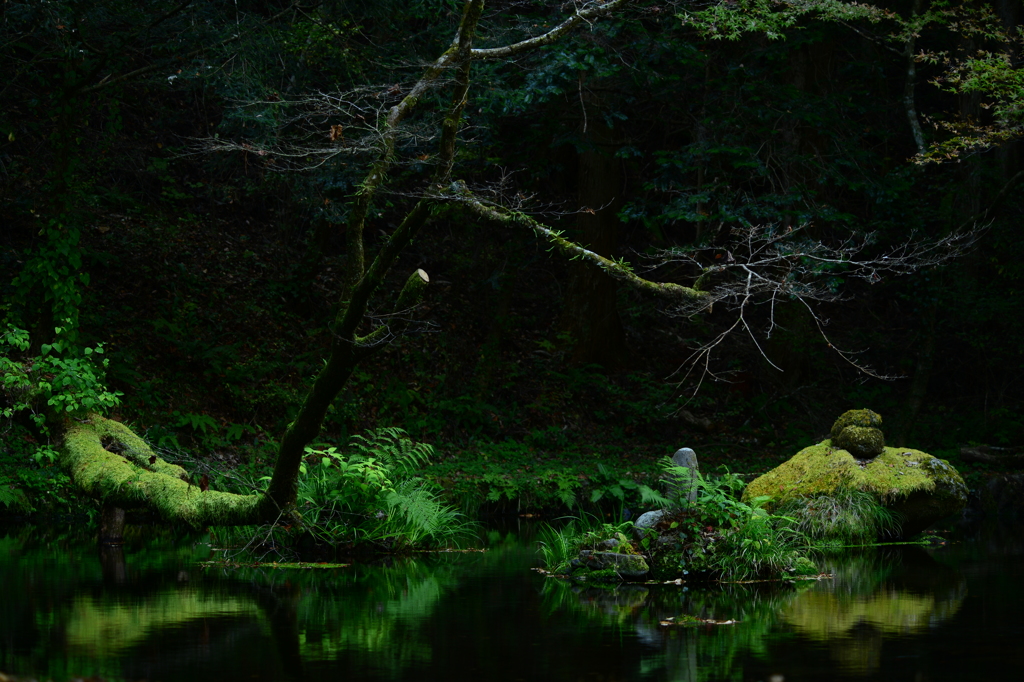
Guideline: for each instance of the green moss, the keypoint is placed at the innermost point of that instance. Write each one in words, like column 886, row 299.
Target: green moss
column 861, row 418
column 132, row 447
column 803, row 566
column 863, row 442
column 129, row 474
column 824, row 469
column 919, row 488
column 603, row 575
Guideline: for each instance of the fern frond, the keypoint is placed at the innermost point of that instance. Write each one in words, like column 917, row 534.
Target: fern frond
column 392, row 446
column 423, row 513
column 7, row 496
column 650, row 496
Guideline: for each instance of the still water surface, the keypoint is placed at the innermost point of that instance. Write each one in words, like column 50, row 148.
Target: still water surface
column 153, row 613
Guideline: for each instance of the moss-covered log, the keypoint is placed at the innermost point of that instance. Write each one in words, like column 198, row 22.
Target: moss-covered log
column 109, row 462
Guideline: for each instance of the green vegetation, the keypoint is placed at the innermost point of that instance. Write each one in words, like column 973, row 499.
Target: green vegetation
column 369, row 495
column 716, row 537
column 159, row 269
column 727, row 532
column 845, row 516
column 64, row 377
column 916, row 488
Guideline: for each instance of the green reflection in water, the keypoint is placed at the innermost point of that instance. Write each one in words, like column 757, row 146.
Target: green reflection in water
column 102, row 627
column 152, row 613
column 687, row 654
column 875, row 596
column 373, row 614
column 68, row 610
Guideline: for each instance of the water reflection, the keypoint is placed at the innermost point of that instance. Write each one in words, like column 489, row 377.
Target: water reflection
column 876, row 596
column 151, row 612
column 679, row 653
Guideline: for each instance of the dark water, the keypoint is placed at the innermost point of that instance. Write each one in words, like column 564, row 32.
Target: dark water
column 947, row 613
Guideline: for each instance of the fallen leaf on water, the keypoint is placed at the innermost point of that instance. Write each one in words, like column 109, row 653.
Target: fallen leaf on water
column 690, row 621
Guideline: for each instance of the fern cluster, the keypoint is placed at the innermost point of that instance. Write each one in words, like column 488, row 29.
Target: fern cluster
column 370, row 492
column 7, row 496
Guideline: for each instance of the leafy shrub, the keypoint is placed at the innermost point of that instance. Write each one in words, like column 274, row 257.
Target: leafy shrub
column 30, row 483
column 606, row 484
column 64, row 376
column 741, row 540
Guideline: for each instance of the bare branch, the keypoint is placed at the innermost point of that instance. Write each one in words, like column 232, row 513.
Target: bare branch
column 769, row 262
column 591, row 9
column 762, row 266
column 324, row 126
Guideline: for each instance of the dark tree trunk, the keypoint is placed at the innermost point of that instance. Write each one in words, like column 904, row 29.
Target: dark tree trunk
column 111, row 525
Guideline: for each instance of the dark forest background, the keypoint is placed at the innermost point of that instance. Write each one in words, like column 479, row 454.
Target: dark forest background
column 148, row 142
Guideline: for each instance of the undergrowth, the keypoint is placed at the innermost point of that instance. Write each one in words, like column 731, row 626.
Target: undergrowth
column 845, row 516
column 716, row 536
column 367, row 494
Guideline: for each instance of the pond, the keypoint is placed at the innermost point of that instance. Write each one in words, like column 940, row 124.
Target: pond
column 153, row 612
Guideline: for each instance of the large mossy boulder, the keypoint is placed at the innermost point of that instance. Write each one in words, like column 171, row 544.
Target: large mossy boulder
column 918, row 488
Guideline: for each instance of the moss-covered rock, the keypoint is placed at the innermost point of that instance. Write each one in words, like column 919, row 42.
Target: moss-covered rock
column 862, row 418
column 858, row 432
column 919, row 488
column 860, row 441
column 625, row 565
